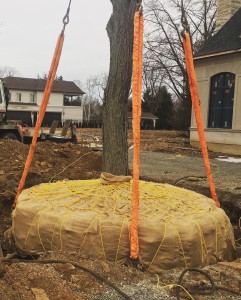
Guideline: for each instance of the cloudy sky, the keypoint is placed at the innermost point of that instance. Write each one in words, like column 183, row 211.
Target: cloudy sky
column 29, row 30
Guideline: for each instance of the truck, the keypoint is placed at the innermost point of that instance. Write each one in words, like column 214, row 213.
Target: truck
column 8, row 130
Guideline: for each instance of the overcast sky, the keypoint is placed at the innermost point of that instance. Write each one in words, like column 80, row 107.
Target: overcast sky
column 29, row 30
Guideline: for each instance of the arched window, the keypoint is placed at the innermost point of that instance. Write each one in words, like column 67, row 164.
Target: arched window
column 221, row 100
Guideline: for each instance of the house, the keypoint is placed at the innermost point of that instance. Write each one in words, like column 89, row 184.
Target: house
column 148, row 120
column 25, row 96
column 218, row 71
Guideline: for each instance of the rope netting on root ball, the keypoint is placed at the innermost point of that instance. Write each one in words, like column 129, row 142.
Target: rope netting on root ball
column 177, row 227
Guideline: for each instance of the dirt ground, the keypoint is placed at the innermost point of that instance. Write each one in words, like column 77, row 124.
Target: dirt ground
column 26, row 280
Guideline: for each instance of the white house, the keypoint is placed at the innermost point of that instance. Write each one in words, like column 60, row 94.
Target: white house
column 25, row 96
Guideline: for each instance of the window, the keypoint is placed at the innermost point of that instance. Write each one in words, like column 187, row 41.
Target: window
column 72, row 100
column 32, row 98
column 221, row 100
column 19, row 96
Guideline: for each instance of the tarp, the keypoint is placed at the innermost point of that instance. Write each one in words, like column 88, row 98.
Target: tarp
column 177, row 227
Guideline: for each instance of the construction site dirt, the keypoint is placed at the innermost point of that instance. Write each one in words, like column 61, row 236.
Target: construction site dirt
column 166, row 156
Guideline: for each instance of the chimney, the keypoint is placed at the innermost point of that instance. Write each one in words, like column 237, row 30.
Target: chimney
column 225, row 10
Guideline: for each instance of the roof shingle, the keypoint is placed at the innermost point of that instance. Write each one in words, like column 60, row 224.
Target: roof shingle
column 61, row 86
column 228, row 38
column 144, row 115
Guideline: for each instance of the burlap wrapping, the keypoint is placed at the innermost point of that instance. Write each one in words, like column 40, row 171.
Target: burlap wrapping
column 177, row 227
column 108, row 178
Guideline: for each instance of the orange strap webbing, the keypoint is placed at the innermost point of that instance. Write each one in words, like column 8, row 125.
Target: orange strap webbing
column 198, row 114
column 136, row 113
column 42, row 109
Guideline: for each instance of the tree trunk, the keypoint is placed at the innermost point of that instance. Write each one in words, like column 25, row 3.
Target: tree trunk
column 115, row 126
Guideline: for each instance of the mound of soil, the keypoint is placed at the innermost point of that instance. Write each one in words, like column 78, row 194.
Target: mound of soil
column 51, row 162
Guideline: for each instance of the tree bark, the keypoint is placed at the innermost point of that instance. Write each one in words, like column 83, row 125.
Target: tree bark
column 115, row 125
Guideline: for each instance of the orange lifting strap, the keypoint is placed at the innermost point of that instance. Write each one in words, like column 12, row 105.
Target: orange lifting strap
column 44, row 103
column 198, row 114
column 136, row 120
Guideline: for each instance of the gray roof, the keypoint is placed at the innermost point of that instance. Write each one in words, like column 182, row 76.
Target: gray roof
column 144, row 115
column 30, row 84
column 228, row 38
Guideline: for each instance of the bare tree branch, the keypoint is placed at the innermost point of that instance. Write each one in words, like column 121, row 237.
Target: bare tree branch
column 164, row 54
column 7, row 71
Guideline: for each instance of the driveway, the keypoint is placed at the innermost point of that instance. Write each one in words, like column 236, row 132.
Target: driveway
column 189, row 172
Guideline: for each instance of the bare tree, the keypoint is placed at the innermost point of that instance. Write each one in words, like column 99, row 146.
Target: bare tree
column 152, row 78
column 89, row 98
column 115, row 126
column 101, row 83
column 7, row 71
column 45, row 76
column 164, row 57
column 92, row 99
